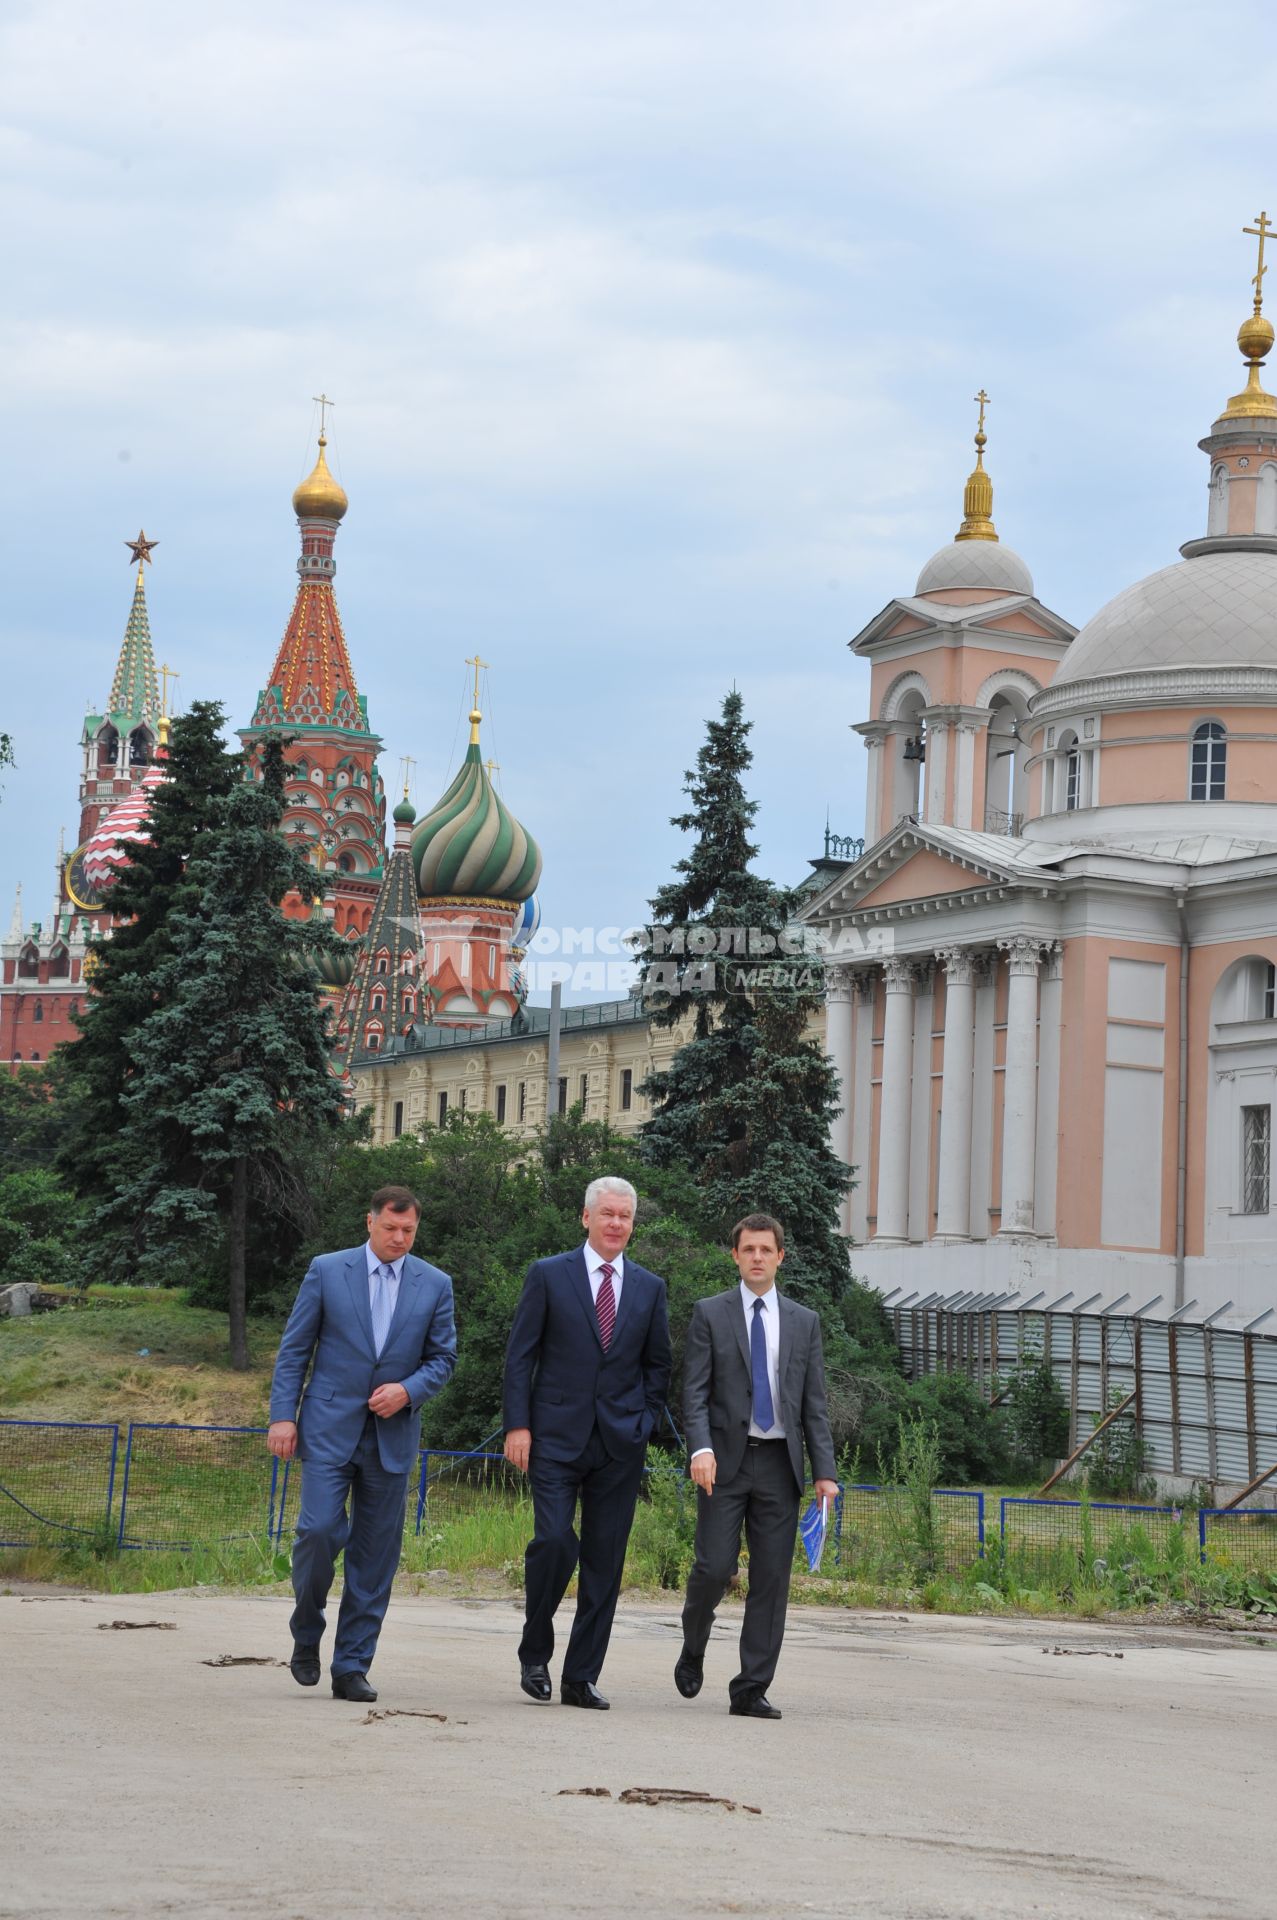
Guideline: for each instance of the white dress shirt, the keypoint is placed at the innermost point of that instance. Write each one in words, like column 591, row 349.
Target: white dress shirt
column 771, row 1334
column 594, row 1265
column 770, row 1317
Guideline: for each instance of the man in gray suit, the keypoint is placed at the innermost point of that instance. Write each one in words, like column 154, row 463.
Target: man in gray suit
column 754, row 1391
column 375, row 1327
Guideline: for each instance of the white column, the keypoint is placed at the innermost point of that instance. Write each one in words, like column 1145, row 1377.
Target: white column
column 1051, row 994
column 873, row 790
column 986, row 994
column 893, row 1107
column 953, row 1199
column 865, row 980
column 1020, row 1084
column 920, row 1103
column 838, row 1047
column 939, row 734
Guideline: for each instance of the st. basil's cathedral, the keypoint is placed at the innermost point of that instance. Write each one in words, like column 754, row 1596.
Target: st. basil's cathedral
column 436, row 931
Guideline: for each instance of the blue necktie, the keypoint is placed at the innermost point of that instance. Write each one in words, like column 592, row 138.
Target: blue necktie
column 764, row 1412
column 381, row 1312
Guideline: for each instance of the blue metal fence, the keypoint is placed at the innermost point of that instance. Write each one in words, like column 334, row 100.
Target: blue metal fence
column 57, row 1481
column 180, row 1487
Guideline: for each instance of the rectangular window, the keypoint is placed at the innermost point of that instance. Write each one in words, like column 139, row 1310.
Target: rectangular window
column 465, row 1098
column 1072, row 770
column 1257, row 1136
column 563, row 1094
column 443, row 1108
column 398, row 1118
column 501, row 1106
column 1270, row 992
column 585, row 1088
column 627, row 1089
column 523, row 1101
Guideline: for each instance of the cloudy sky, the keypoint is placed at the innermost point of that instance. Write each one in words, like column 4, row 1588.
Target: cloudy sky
column 653, row 330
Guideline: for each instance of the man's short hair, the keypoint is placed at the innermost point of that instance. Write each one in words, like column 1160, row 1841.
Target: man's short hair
column 609, row 1183
column 759, row 1223
column 394, row 1200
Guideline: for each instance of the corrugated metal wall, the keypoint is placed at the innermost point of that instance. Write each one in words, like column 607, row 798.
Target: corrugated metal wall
column 1206, row 1397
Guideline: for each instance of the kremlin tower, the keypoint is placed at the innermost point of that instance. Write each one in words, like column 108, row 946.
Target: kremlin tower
column 335, row 807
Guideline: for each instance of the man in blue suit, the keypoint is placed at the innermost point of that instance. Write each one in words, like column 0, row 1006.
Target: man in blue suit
column 585, row 1377
column 375, row 1327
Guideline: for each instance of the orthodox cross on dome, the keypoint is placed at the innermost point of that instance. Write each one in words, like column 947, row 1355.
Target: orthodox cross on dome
column 475, row 715
column 977, row 498
column 166, row 674
column 1261, row 230
column 141, row 549
column 981, row 438
column 323, row 403
column 493, row 766
column 406, row 766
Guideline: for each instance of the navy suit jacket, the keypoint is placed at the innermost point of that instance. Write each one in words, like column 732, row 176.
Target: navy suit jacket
column 559, row 1383
column 331, row 1325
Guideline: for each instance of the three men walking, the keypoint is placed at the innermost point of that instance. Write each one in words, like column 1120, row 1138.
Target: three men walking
column 586, row 1373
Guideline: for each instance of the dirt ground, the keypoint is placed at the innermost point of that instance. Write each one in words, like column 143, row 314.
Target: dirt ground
column 925, row 1768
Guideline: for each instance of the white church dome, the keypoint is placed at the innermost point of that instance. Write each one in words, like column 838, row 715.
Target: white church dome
column 1217, row 609
column 985, row 564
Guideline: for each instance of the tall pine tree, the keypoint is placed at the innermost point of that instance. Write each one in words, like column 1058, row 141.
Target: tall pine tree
column 96, row 1070
column 231, row 1088
column 747, row 1102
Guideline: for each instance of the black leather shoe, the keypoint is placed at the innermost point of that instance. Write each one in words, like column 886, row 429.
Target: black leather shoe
column 535, row 1682
column 689, row 1674
column 756, row 1706
column 582, row 1693
column 353, row 1686
column 304, row 1665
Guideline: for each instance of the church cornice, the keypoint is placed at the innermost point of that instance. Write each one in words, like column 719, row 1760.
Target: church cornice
column 1159, row 687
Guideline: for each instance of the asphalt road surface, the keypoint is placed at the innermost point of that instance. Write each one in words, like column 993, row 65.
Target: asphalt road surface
column 925, row 1769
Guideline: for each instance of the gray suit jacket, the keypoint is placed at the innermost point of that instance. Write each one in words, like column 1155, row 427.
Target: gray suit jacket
column 718, row 1386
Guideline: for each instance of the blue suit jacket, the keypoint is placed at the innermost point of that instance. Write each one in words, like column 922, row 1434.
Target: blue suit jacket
column 331, row 1325
column 558, row 1380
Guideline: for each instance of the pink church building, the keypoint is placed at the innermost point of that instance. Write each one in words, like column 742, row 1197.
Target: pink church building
column 1053, row 993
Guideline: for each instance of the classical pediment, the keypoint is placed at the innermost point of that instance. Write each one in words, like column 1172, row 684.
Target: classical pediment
column 907, row 618
column 915, row 863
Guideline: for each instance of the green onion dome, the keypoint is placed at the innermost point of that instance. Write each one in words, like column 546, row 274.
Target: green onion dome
column 335, row 968
column 405, row 813
column 470, row 844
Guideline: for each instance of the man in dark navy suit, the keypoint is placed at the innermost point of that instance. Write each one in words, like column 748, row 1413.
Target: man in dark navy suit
column 585, row 1377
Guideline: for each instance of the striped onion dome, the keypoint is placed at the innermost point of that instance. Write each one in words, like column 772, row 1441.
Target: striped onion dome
column 336, row 968
column 129, row 824
column 527, row 920
column 470, row 844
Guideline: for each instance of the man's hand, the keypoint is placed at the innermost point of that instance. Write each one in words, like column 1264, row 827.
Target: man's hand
column 704, row 1468
column 826, row 1490
column 518, row 1447
column 281, row 1438
column 388, row 1399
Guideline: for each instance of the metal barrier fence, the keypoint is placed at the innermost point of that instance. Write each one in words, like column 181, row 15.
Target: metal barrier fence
column 877, row 1531
column 1243, row 1540
column 1205, row 1397
column 57, row 1481
column 1061, row 1534
column 197, row 1486
column 62, row 1483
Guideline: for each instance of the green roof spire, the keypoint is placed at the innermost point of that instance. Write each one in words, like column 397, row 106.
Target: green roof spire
column 135, row 692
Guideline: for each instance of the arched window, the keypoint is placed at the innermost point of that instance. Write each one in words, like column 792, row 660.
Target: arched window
column 372, row 1041
column 346, row 862
column 383, row 963
column 1068, row 789
column 108, row 747
column 1266, row 499
column 38, row 1012
column 139, row 748
column 1217, row 511
column 378, row 1002
column 1207, row 765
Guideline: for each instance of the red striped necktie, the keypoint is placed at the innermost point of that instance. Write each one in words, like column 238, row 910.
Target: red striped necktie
column 605, row 1305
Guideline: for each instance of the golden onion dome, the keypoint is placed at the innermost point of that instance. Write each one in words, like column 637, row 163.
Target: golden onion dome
column 320, row 497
